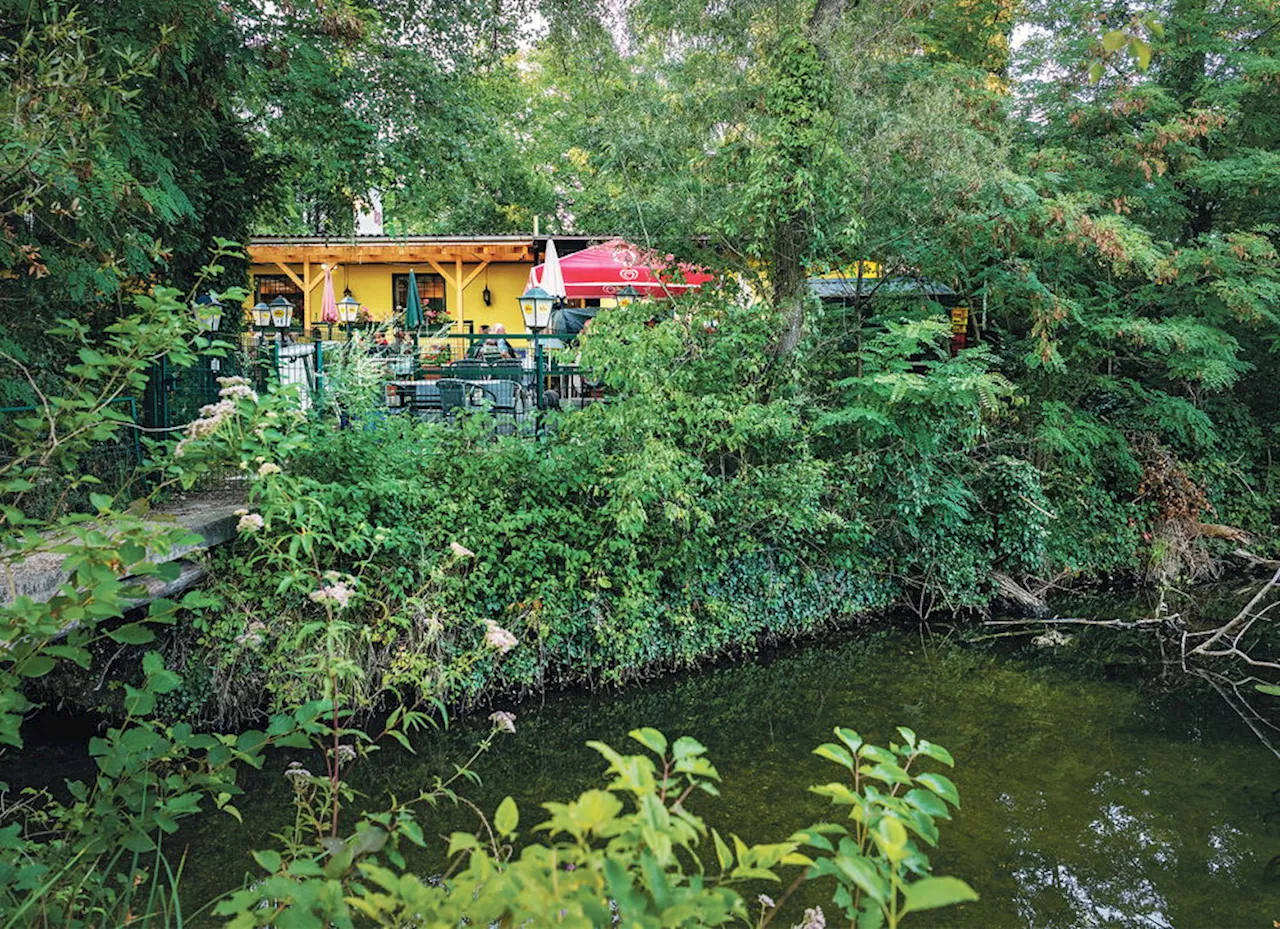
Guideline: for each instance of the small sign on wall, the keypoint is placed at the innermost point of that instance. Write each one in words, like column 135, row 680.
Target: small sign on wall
column 959, row 328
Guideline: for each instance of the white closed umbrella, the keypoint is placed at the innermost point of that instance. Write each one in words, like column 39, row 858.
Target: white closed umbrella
column 552, row 276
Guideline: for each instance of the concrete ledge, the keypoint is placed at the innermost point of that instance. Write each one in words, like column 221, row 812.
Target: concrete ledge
column 212, row 517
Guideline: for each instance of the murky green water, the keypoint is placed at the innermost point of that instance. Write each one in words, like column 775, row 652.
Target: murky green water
column 1086, row 802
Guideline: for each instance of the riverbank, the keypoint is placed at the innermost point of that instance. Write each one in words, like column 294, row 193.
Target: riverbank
column 1087, row 798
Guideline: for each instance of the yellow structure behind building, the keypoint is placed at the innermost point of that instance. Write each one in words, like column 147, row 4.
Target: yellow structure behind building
column 459, row 269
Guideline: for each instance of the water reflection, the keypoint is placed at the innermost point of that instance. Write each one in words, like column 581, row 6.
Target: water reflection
column 1085, row 802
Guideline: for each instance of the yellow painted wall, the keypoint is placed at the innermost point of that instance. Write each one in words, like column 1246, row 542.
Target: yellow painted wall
column 371, row 285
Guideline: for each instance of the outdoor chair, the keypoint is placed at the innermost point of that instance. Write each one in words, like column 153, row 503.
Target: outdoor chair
column 424, row 399
column 453, row 395
column 505, row 398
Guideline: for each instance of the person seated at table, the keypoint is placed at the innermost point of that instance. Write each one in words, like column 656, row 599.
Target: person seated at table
column 496, row 349
column 477, row 347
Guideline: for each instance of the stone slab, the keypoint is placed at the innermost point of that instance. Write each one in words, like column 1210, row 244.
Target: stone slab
column 210, row 516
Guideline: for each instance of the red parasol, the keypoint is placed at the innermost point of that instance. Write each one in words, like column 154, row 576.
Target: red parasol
column 602, row 270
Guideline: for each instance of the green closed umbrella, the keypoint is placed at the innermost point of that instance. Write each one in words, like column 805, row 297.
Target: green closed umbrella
column 413, row 306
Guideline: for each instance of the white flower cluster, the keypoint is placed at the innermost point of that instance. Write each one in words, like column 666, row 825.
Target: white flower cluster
column 236, row 388
column 214, row 415
column 503, row 721
column 498, row 638
column 346, row 752
column 249, row 522
column 814, row 918
column 337, row 593
column 296, row 771
column 268, row 467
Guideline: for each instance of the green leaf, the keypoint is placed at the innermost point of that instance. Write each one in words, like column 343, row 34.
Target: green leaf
column 936, row 752
column 1095, row 72
column 863, row 873
column 651, row 739
column 37, row 666
column 941, row 786
column 929, row 893
column 1114, row 41
column 1142, row 51
column 837, row 753
column 507, row 817
column 849, row 738
column 687, row 747
column 927, row 803
column 268, row 860
column 462, row 841
column 132, row 634
column 723, row 854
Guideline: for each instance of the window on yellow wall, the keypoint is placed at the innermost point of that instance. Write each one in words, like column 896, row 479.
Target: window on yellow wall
column 269, row 286
column 430, row 290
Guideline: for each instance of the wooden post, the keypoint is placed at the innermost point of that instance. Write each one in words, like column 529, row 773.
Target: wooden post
column 462, row 286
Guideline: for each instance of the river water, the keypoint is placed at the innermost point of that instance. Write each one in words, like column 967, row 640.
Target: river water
column 1091, row 796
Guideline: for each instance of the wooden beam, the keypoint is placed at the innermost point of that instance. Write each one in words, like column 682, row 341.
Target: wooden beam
column 474, row 274
column 306, row 295
column 448, row 279
column 293, row 277
column 390, row 254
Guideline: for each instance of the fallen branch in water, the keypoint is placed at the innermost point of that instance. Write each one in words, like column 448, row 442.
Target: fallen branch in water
column 1109, row 623
column 1237, row 626
column 1256, row 561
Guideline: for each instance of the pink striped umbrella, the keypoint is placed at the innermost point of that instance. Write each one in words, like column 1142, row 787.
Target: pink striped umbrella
column 329, row 305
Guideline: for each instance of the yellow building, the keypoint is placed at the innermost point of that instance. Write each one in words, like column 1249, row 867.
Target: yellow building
column 475, row 280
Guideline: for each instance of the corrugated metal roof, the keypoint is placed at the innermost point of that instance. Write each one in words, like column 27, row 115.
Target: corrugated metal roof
column 417, row 239
column 387, row 239
column 837, row 288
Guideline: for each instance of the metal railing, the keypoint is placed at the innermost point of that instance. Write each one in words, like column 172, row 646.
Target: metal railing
column 115, row 465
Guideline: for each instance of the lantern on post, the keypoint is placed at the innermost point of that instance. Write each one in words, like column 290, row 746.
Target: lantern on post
column 535, row 304
column 627, row 296
column 281, row 312
column 208, row 311
column 348, row 309
column 261, row 315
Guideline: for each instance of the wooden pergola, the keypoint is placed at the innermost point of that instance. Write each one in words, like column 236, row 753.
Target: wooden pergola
column 437, row 252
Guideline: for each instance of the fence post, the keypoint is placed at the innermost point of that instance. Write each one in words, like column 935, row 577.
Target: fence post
column 155, row 399
column 319, row 362
column 537, row 367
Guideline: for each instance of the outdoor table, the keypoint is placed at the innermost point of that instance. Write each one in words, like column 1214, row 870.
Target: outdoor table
column 505, row 395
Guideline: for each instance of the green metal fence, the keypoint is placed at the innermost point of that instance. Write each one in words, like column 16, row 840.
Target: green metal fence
column 114, row 466
column 516, row 375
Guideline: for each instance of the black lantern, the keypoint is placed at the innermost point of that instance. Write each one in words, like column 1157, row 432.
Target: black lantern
column 627, row 295
column 348, row 308
column 281, row 312
column 261, row 315
column 535, row 304
column 208, row 310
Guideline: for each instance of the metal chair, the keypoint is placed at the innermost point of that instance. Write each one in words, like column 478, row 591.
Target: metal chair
column 505, row 397
column 453, row 395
